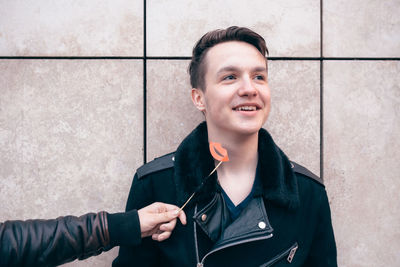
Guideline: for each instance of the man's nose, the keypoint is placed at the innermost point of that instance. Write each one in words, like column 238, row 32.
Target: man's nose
column 247, row 87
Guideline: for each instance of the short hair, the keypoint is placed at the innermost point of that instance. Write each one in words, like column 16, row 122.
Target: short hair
column 197, row 68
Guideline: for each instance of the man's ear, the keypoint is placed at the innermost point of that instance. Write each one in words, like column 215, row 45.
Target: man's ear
column 198, row 99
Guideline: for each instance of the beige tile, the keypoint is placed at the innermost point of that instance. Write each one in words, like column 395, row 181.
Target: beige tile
column 361, row 159
column 71, row 136
column 361, row 28
column 71, row 28
column 291, row 28
column 171, row 114
column 294, row 121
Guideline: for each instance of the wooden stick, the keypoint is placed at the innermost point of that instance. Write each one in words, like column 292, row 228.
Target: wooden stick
column 214, row 169
column 187, row 201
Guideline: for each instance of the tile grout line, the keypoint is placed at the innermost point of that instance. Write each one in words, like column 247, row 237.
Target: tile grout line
column 321, row 95
column 144, row 85
column 188, row 58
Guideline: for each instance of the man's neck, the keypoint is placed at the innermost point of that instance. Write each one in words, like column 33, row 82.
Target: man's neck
column 237, row 175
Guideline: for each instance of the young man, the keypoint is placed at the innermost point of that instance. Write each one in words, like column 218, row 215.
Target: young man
column 259, row 208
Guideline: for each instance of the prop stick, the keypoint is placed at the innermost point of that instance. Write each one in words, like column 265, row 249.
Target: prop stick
column 219, row 153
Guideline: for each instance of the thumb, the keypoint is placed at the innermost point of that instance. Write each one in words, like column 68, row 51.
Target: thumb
column 165, row 216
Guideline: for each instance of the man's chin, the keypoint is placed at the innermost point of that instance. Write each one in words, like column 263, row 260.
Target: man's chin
column 246, row 129
column 238, row 129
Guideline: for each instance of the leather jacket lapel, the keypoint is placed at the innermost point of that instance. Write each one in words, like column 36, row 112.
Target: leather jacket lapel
column 214, row 220
column 253, row 222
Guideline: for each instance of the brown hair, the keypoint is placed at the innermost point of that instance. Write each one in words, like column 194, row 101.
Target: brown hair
column 197, row 68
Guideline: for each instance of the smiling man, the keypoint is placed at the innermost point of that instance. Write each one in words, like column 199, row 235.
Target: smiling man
column 259, row 208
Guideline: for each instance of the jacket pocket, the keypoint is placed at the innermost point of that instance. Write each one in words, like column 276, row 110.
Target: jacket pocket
column 288, row 254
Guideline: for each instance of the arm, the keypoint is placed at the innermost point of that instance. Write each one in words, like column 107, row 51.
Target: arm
column 323, row 248
column 57, row 241
column 52, row 242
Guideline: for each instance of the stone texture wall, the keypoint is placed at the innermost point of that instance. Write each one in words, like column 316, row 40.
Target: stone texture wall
column 89, row 90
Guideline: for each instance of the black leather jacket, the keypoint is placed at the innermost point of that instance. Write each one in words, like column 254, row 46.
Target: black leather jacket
column 57, row 241
column 286, row 222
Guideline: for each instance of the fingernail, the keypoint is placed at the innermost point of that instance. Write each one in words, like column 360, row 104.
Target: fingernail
column 176, row 212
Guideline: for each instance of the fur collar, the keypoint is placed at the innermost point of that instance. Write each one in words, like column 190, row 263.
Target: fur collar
column 193, row 162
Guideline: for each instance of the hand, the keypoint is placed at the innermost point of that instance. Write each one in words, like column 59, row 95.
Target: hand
column 159, row 219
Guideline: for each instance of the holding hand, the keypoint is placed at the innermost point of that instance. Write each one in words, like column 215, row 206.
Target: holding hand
column 159, row 219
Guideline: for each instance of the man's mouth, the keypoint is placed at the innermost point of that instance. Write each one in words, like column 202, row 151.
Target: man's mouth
column 246, row 108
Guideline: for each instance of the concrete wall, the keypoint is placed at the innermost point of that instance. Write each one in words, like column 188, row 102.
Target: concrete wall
column 74, row 106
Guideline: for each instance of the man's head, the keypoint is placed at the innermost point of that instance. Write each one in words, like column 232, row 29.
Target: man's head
column 230, row 82
column 198, row 64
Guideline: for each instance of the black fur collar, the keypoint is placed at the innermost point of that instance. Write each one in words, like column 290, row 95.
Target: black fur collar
column 193, row 162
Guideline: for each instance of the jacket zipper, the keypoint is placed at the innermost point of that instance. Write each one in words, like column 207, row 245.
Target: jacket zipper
column 290, row 252
column 201, row 264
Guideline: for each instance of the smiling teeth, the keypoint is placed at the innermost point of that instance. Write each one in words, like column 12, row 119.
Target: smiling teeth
column 246, row 108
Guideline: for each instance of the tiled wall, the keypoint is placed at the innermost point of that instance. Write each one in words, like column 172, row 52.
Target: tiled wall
column 90, row 89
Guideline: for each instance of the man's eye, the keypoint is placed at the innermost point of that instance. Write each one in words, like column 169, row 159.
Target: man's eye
column 259, row 77
column 229, row 77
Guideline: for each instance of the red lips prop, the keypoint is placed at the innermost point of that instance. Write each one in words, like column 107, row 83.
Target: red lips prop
column 220, row 154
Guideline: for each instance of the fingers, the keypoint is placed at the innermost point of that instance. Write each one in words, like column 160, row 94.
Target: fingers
column 161, row 236
column 158, row 218
column 159, row 207
column 156, row 207
column 166, row 212
column 182, row 217
column 168, row 227
column 173, row 214
column 164, row 231
column 164, row 217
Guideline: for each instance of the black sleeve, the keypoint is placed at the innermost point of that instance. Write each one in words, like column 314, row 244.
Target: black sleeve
column 124, row 228
column 145, row 254
column 53, row 242
column 323, row 247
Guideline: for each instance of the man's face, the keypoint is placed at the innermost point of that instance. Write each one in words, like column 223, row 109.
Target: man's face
column 236, row 99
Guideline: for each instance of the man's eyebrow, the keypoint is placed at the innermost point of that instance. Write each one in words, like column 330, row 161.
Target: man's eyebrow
column 260, row 69
column 233, row 68
column 227, row 69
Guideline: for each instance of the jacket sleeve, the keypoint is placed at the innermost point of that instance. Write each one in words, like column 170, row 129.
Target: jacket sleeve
column 53, row 242
column 323, row 247
column 146, row 253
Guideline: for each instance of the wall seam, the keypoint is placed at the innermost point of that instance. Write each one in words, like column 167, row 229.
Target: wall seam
column 321, row 95
column 321, row 58
column 144, row 83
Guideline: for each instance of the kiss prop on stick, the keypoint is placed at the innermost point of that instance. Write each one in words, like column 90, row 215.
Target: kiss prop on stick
column 220, row 154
